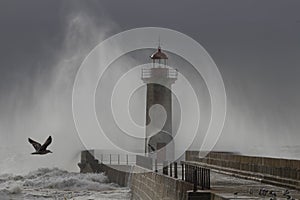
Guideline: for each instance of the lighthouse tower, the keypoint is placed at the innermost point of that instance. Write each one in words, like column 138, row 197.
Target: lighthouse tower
column 159, row 78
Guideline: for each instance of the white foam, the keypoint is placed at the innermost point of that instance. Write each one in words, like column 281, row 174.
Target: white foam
column 47, row 183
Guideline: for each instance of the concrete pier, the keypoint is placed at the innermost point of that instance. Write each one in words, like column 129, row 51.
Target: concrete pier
column 147, row 184
column 281, row 172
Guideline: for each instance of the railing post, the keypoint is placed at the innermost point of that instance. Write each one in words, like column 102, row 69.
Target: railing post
column 171, row 166
column 205, row 178
column 118, row 159
column 101, row 158
column 188, row 175
column 202, row 180
column 175, row 170
column 195, row 179
column 191, row 174
column 110, row 159
column 190, row 178
column 182, row 171
column 127, row 159
column 165, row 168
column 186, row 178
column 155, row 165
column 198, row 175
column 208, row 179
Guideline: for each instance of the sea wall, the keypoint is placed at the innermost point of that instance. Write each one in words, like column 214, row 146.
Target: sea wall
column 119, row 174
column 270, row 170
column 145, row 184
column 151, row 185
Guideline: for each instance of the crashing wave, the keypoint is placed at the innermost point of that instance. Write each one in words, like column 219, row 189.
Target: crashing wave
column 47, row 182
column 60, row 179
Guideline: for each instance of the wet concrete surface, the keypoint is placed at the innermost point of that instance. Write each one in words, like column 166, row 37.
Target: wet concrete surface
column 230, row 187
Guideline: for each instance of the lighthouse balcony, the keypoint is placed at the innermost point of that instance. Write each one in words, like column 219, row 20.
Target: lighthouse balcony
column 159, row 72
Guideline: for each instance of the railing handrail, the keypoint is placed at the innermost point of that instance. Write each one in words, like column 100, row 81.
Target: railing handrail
column 190, row 172
column 193, row 164
column 196, row 174
column 147, row 73
column 118, row 158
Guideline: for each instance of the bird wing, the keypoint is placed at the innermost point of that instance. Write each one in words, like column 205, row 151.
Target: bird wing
column 46, row 144
column 35, row 144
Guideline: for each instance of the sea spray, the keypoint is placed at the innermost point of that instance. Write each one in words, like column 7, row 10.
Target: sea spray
column 52, row 183
column 39, row 103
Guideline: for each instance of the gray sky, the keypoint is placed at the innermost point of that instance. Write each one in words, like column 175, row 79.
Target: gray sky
column 255, row 44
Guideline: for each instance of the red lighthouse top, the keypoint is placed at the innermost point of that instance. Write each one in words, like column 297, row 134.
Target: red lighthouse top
column 158, row 55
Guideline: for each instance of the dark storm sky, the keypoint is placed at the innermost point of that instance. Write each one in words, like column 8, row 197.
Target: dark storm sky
column 251, row 28
column 255, row 44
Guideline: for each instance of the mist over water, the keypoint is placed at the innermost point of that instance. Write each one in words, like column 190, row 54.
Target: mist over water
column 38, row 103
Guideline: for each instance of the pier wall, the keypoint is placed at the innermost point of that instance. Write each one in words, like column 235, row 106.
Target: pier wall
column 144, row 184
column 270, row 170
column 151, row 185
column 119, row 174
column 148, row 185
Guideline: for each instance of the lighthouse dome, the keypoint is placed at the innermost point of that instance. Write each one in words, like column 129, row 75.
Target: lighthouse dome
column 158, row 55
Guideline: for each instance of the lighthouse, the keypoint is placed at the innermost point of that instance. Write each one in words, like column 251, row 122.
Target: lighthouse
column 159, row 78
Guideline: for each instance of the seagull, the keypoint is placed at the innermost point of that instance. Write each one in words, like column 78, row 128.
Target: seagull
column 41, row 149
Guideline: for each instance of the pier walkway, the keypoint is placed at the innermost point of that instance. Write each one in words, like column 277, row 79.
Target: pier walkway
column 170, row 183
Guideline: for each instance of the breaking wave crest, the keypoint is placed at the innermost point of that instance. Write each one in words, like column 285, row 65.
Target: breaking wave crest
column 46, row 183
column 59, row 179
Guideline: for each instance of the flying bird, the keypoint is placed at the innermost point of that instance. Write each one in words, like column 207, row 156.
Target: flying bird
column 41, row 149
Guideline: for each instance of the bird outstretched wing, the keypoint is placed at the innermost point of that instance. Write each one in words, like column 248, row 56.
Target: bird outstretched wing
column 35, row 144
column 46, row 144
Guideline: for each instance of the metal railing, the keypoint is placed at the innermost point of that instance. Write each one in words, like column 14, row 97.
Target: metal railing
column 192, row 173
column 117, row 159
column 170, row 73
column 197, row 175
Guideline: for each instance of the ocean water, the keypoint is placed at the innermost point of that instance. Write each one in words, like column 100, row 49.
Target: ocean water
column 46, row 184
